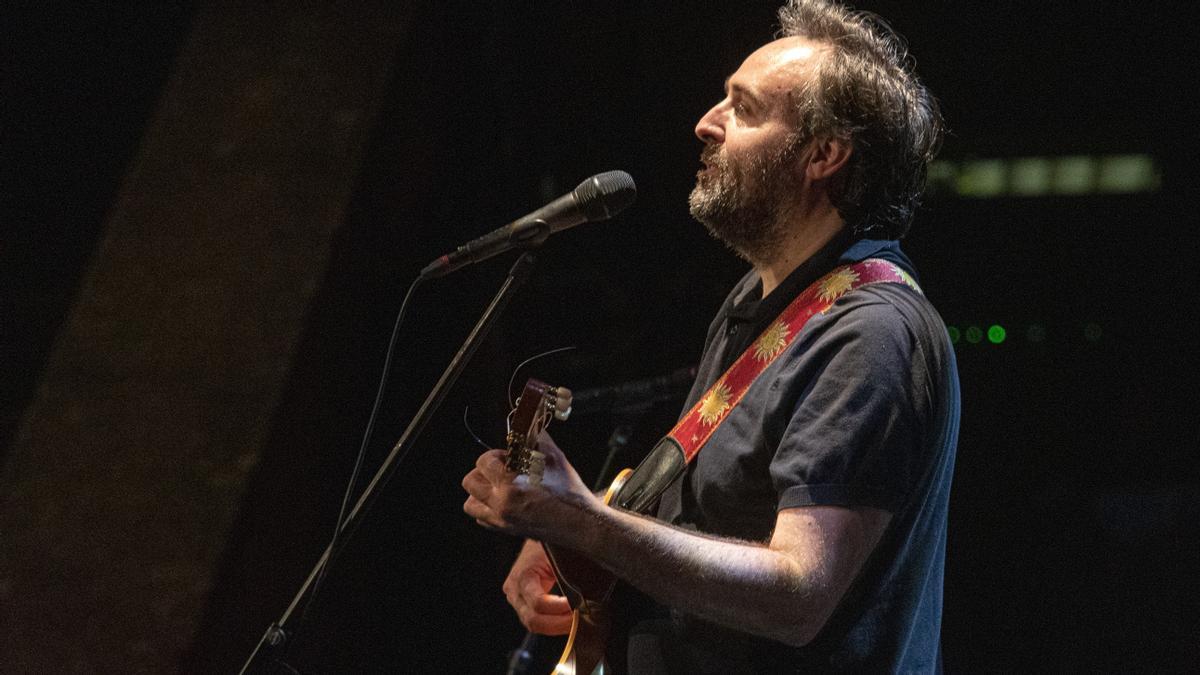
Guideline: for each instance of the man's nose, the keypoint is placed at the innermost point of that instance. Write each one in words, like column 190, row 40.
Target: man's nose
column 711, row 127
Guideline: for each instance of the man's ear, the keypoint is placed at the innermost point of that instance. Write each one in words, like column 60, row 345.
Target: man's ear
column 828, row 157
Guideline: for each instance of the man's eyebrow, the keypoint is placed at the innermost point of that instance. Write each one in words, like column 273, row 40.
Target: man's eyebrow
column 746, row 93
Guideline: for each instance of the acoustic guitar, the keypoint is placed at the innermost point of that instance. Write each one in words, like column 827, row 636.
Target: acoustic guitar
column 586, row 585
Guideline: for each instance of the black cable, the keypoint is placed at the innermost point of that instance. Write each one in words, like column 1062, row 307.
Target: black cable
column 358, row 463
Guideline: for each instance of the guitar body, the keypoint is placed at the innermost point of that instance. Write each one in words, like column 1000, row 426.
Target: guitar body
column 587, row 587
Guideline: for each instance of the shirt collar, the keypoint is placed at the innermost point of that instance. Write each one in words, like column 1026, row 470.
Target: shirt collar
column 840, row 250
column 752, row 306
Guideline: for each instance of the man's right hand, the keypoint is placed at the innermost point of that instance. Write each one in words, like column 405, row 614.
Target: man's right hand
column 527, row 586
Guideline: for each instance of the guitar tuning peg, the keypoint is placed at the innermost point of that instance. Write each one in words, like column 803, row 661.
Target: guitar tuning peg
column 562, row 403
column 536, row 467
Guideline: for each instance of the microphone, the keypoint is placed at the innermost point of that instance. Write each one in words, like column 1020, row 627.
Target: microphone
column 598, row 198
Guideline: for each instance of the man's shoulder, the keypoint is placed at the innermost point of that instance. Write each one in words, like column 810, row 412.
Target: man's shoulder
column 889, row 308
column 885, row 324
column 883, row 308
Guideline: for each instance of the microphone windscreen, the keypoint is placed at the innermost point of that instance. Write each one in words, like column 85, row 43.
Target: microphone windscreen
column 605, row 195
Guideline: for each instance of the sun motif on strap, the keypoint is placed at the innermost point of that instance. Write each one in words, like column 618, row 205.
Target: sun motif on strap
column 770, row 343
column 911, row 282
column 715, row 403
column 836, row 283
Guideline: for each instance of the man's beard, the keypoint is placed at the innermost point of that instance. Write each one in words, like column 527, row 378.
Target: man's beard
column 744, row 204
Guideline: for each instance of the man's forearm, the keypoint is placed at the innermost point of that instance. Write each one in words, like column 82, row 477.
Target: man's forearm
column 738, row 584
column 785, row 590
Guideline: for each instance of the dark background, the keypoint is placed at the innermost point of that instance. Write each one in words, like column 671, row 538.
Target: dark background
column 1072, row 542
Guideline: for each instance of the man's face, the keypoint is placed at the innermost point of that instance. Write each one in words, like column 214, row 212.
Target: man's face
column 752, row 173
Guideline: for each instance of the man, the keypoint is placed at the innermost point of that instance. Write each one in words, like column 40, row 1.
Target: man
column 809, row 531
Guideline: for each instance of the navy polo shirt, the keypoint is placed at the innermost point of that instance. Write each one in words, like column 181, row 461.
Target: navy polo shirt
column 861, row 410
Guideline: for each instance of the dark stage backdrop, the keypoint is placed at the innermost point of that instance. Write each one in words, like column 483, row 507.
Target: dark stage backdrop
column 1072, row 542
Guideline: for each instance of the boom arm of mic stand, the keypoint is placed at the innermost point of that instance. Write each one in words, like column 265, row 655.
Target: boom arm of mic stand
column 275, row 638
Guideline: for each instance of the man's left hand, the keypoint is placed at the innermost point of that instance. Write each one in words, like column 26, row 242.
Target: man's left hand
column 553, row 509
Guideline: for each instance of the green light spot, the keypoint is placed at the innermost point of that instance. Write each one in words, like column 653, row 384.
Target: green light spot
column 1074, row 175
column 974, row 334
column 1036, row 333
column 1127, row 173
column 1092, row 332
column 955, row 334
column 1031, row 176
column 982, row 178
column 943, row 177
column 996, row 334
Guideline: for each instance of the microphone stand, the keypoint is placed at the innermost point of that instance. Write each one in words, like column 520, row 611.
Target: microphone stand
column 275, row 640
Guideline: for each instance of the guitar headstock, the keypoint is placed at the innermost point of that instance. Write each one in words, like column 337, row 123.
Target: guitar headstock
column 536, row 406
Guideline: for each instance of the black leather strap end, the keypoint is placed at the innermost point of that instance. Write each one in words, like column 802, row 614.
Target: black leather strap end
column 663, row 465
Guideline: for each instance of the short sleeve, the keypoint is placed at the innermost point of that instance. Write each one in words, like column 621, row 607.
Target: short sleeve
column 854, row 435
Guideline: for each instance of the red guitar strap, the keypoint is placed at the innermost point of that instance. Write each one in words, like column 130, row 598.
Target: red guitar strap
column 694, row 429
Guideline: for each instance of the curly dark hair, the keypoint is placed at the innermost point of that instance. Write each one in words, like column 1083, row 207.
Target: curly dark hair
column 865, row 90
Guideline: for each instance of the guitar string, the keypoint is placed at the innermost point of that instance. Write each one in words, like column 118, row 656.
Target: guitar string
column 467, row 424
column 511, row 400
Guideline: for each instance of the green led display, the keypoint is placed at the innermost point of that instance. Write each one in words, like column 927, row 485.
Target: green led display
column 955, row 334
column 1073, row 175
column 996, row 334
column 974, row 334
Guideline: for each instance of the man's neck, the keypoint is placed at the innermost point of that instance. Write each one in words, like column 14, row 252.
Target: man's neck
column 804, row 240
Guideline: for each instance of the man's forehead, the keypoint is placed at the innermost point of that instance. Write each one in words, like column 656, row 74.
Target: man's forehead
column 790, row 51
column 777, row 63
